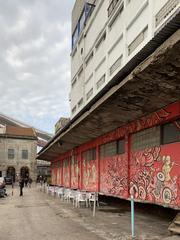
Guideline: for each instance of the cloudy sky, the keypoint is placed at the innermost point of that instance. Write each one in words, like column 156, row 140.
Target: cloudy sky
column 35, row 43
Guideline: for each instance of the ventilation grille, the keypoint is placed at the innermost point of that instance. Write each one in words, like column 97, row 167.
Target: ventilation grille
column 137, row 41
column 165, row 11
column 112, row 6
column 115, row 65
column 100, row 82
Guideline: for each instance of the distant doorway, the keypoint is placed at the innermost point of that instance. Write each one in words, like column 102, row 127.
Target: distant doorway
column 25, row 172
column 11, row 172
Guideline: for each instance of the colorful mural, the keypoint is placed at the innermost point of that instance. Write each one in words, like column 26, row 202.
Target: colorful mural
column 74, row 172
column 89, row 175
column 59, row 176
column 114, row 176
column 150, row 175
column 66, row 173
column 155, row 176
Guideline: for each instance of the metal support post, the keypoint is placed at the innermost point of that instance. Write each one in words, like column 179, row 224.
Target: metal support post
column 132, row 218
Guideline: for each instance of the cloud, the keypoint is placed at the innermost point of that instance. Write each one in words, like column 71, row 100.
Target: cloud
column 35, row 42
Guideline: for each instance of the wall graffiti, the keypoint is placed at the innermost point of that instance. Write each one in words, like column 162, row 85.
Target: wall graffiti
column 89, row 175
column 74, row 172
column 114, row 176
column 66, row 173
column 151, row 175
column 154, row 180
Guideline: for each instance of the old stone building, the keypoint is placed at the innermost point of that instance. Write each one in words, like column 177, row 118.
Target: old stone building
column 18, row 147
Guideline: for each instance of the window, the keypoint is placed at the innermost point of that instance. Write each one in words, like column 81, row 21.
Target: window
column 80, row 102
column 115, row 65
column 24, row 154
column 90, row 154
column 74, row 37
column 165, row 11
column 108, row 149
column 100, row 41
column 82, row 22
column 146, row 138
column 101, row 81
column 170, row 133
column 89, row 78
column 112, row 6
column 80, row 72
column 121, row 146
column 115, row 17
column 89, row 94
column 138, row 40
column 112, row 148
column 73, row 82
column 74, row 110
column 90, row 57
column 11, row 153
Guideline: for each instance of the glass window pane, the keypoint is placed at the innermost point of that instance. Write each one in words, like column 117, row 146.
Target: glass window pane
column 81, row 22
column 108, row 149
column 10, row 153
column 24, row 154
column 121, row 146
column 170, row 133
column 145, row 139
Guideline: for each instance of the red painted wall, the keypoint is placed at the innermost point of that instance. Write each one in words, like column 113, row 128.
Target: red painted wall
column 74, row 173
column 89, row 175
column 114, row 176
column 66, row 172
column 151, row 175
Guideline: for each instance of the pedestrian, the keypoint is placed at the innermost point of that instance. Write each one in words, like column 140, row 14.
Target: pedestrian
column 29, row 183
column 21, row 185
column 26, row 180
column 41, row 180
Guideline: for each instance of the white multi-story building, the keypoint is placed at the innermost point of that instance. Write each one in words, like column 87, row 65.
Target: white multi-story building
column 107, row 36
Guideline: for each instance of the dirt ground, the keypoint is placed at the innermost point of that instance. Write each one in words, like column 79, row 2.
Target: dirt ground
column 39, row 216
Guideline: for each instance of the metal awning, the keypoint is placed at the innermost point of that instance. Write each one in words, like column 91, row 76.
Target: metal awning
column 152, row 85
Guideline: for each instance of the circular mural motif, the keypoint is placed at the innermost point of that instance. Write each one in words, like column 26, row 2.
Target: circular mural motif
column 167, row 195
column 160, row 176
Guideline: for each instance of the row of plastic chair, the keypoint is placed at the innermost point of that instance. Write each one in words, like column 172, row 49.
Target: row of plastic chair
column 75, row 196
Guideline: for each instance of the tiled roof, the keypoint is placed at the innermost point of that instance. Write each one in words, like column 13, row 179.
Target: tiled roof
column 20, row 131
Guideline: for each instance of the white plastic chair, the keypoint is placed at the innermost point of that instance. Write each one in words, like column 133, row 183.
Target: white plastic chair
column 60, row 192
column 93, row 197
column 81, row 197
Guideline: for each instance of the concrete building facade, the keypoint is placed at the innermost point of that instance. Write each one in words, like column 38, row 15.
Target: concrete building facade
column 18, row 148
column 123, row 138
column 43, row 168
column 106, row 37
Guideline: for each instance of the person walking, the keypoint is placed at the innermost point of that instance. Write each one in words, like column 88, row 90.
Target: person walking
column 29, row 182
column 21, row 185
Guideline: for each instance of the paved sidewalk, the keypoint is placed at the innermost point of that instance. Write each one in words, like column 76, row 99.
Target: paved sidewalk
column 38, row 216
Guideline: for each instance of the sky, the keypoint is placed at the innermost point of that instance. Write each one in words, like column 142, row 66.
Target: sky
column 35, row 45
